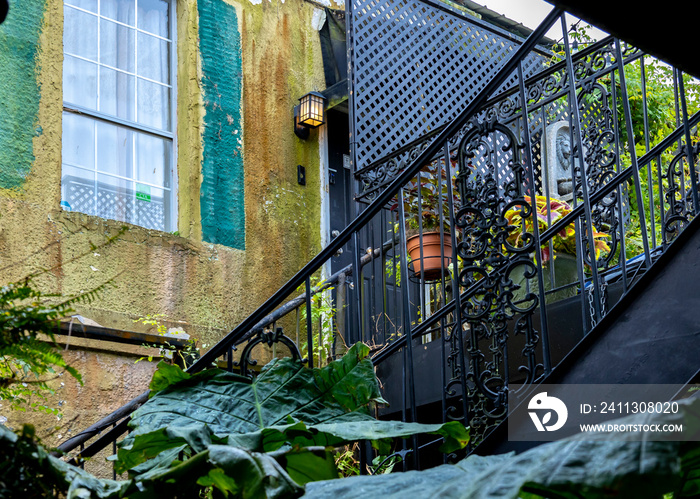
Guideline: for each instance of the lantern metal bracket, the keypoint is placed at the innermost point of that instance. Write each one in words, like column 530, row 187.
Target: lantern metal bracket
column 300, row 131
column 269, row 337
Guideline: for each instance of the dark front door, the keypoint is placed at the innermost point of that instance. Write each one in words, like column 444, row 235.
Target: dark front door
column 380, row 296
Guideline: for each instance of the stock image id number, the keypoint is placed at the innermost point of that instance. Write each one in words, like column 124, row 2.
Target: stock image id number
column 630, row 408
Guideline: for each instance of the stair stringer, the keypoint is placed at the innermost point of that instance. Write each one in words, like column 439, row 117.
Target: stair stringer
column 652, row 336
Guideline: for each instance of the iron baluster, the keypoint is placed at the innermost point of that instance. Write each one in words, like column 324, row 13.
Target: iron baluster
column 421, row 294
column 408, row 362
column 633, row 153
column 689, row 142
column 623, row 247
column 546, row 356
column 575, row 124
column 309, row 328
column 647, row 146
column 457, row 331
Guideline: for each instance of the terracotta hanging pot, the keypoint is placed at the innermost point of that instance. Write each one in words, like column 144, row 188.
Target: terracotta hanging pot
column 432, row 262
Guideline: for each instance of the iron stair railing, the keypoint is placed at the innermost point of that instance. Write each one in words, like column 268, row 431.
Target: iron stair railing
column 482, row 311
column 248, row 324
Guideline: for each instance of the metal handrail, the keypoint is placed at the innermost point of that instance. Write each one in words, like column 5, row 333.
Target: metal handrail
column 247, row 327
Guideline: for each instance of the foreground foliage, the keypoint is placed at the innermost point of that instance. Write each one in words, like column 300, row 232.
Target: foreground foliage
column 27, row 360
column 218, row 433
column 29, row 319
column 594, row 467
column 264, row 438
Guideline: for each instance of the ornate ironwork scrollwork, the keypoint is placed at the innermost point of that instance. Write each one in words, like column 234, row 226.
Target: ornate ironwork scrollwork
column 600, row 159
column 268, row 337
column 499, row 308
column 678, row 195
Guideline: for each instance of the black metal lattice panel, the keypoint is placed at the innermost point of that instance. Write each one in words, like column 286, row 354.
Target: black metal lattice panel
column 415, row 66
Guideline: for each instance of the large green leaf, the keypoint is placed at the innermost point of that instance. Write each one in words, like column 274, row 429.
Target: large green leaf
column 147, row 446
column 570, row 468
column 287, row 404
column 229, row 469
column 228, row 403
column 348, row 428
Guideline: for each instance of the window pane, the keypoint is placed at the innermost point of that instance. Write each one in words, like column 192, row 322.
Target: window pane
column 78, row 141
column 77, row 190
column 115, row 198
column 111, row 170
column 80, row 82
column 154, row 16
column 90, row 5
column 80, row 33
column 152, row 205
column 152, row 160
column 117, row 93
column 154, row 104
column 117, row 45
column 119, row 10
column 153, row 58
column 114, row 149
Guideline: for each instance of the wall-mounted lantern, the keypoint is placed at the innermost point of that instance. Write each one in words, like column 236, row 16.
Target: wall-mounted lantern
column 310, row 113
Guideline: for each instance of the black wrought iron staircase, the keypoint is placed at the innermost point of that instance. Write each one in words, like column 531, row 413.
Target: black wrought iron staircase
column 651, row 336
column 495, row 310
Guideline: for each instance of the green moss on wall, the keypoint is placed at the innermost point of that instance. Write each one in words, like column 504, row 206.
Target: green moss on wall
column 221, row 195
column 19, row 90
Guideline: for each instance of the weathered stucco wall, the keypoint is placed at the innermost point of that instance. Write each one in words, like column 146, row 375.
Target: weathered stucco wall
column 237, row 158
column 232, row 250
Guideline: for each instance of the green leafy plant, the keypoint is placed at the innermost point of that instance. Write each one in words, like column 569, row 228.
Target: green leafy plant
column 659, row 102
column 29, row 318
column 26, row 469
column 27, row 360
column 194, row 461
column 548, row 214
column 181, row 356
column 323, row 323
column 346, row 460
column 263, row 438
column 605, row 465
column 322, row 406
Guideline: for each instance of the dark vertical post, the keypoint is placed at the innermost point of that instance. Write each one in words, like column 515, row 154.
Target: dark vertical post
column 688, row 141
column 357, row 267
column 546, row 354
column 457, row 292
column 114, row 451
column 382, row 259
column 407, row 327
column 421, row 290
column 575, row 120
column 309, row 329
column 623, row 247
column 650, row 184
column 633, row 153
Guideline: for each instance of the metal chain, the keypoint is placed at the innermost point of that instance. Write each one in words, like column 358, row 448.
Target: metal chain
column 603, row 302
column 603, row 298
column 591, row 307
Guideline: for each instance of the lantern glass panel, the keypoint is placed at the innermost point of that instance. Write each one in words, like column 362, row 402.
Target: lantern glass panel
column 311, row 110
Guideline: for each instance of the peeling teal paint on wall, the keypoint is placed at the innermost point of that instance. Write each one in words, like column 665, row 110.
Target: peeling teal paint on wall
column 19, row 90
column 221, row 195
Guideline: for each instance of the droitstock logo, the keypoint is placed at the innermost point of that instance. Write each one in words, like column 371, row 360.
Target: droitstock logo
column 541, row 403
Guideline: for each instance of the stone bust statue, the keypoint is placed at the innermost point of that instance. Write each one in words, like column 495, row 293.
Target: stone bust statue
column 557, row 155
